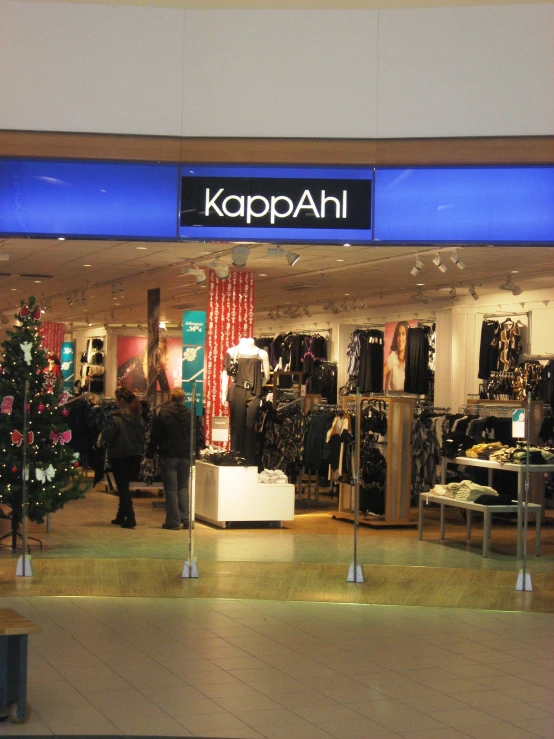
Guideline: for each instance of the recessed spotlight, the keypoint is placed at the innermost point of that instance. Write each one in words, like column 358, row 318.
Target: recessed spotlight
column 37, row 282
column 142, row 248
column 340, row 260
column 61, row 238
column 515, row 271
column 13, row 289
column 262, row 274
column 87, row 265
column 420, row 284
column 347, row 293
column 347, row 244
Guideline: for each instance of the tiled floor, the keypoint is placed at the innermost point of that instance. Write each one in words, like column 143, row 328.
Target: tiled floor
column 229, row 668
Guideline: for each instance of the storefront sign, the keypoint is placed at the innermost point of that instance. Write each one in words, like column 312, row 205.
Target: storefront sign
column 465, row 205
column 284, row 203
column 194, row 339
column 93, row 199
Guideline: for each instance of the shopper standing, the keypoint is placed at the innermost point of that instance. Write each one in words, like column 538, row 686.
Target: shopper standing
column 171, row 439
column 124, row 436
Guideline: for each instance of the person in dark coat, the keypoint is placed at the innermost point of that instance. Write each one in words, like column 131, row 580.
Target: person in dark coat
column 171, row 439
column 124, row 436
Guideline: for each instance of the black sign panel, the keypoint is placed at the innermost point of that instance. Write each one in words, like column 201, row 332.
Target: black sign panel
column 275, row 203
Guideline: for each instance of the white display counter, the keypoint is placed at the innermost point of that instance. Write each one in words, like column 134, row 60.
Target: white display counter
column 224, row 495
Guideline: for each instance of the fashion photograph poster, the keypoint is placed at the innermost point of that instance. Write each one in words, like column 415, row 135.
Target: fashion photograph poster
column 396, row 335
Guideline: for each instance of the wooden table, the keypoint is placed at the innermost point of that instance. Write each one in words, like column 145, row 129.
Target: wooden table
column 14, row 631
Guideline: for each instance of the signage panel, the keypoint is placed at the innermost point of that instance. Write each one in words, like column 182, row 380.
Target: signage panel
column 300, row 204
column 68, row 366
column 88, row 199
column 480, row 205
column 194, row 339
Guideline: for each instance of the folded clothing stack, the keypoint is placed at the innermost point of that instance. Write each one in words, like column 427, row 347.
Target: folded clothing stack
column 518, row 455
column 272, row 477
column 465, row 490
column 483, row 451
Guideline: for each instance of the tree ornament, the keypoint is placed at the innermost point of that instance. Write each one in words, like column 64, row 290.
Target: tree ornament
column 45, row 475
column 25, row 311
column 64, row 437
column 65, row 413
column 41, row 408
column 76, row 465
column 17, row 437
column 26, row 347
column 15, row 470
column 7, row 404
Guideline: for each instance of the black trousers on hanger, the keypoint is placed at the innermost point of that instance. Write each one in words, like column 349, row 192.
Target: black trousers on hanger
column 243, row 412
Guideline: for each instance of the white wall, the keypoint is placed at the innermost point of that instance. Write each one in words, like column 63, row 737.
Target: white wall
column 471, row 71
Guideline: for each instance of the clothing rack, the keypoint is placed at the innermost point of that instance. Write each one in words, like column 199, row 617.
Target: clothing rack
column 281, row 408
column 506, row 314
column 536, row 358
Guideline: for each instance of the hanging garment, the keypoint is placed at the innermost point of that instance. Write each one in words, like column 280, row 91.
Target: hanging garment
column 370, row 373
column 417, row 362
column 510, row 346
column 488, row 350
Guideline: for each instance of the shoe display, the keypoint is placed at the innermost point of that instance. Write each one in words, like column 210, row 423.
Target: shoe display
column 170, row 528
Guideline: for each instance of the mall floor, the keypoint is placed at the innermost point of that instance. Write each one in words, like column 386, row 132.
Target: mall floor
column 271, row 640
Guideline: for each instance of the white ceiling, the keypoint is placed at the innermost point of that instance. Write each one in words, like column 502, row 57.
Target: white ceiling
column 55, row 270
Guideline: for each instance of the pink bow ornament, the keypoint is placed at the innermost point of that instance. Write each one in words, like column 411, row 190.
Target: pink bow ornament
column 64, row 437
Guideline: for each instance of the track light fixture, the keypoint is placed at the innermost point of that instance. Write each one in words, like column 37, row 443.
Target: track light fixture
column 457, row 261
column 473, row 292
column 239, row 256
column 306, row 311
column 509, row 285
column 437, row 261
column 291, row 258
column 277, row 251
column 121, row 290
column 83, row 298
column 69, row 300
column 200, row 276
column 114, row 291
column 221, row 270
column 417, row 267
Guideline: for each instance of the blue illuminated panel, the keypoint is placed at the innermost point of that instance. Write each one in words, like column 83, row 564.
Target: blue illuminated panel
column 88, row 199
column 465, row 205
column 299, row 204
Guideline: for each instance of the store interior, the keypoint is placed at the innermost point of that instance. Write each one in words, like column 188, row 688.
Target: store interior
column 98, row 290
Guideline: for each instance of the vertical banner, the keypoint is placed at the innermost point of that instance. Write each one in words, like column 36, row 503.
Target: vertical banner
column 230, row 318
column 51, row 337
column 153, row 340
column 194, row 339
column 68, row 366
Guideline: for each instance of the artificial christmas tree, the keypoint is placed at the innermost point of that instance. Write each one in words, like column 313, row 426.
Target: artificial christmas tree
column 52, row 469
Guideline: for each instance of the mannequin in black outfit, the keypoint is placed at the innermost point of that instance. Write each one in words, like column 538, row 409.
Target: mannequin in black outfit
column 244, row 394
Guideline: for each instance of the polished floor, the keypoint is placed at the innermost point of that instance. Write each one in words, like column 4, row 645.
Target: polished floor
column 256, row 668
column 307, row 559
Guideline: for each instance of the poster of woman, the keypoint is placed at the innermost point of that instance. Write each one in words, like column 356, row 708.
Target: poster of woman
column 396, row 339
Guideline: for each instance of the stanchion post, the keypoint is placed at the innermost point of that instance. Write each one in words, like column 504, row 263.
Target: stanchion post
column 191, row 567
column 355, row 572
column 524, row 578
column 24, row 568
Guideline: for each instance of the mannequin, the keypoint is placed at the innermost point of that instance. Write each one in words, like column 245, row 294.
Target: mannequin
column 244, row 394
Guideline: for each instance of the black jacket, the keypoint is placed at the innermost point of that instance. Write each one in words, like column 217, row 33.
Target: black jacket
column 171, row 432
column 124, row 434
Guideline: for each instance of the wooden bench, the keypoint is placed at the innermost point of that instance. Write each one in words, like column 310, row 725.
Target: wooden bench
column 486, row 510
column 14, row 632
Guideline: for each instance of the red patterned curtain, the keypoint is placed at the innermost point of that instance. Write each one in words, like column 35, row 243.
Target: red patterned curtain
column 230, row 317
column 52, row 337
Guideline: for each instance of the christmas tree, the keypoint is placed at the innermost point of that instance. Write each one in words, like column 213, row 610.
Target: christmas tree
column 52, row 469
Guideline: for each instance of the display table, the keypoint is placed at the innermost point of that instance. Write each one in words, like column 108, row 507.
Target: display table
column 520, row 469
column 486, row 510
column 223, row 495
column 14, row 632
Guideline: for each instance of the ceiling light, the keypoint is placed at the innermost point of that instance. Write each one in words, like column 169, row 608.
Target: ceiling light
column 61, row 238
column 291, row 258
column 509, row 285
column 420, row 297
column 69, row 300
column 163, row 325
column 437, row 261
column 453, row 293
column 83, row 298
column 142, row 248
column 114, row 291
column 416, row 268
column 340, row 260
column 262, row 274
column 473, row 292
column 239, row 256
column 121, row 290
column 221, row 270
column 87, row 265
column 200, row 276
column 306, row 311
column 457, row 261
